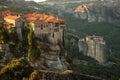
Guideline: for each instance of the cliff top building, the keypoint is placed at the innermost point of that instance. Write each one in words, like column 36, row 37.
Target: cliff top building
column 93, row 46
column 7, row 12
column 8, row 19
column 11, row 21
column 42, row 18
column 47, row 27
column 46, row 24
column 96, row 48
column 95, row 38
column 12, row 17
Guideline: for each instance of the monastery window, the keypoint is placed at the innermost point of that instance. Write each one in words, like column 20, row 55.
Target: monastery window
column 56, row 30
column 12, row 25
column 53, row 35
column 62, row 23
column 41, row 27
column 56, row 24
column 44, row 26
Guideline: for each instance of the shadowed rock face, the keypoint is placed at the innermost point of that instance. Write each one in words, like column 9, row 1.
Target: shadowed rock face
column 44, row 75
column 51, row 55
column 5, row 55
column 100, row 12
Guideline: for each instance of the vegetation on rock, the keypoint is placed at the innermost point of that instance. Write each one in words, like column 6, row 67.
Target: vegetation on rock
column 33, row 52
column 4, row 37
column 16, row 70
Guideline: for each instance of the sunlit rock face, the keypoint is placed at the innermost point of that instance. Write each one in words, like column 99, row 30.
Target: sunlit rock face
column 93, row 46
column 99, row 12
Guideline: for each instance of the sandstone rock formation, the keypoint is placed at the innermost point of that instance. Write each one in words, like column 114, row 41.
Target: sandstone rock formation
column 99, row 12
column 93, row 46
column 5, row 55
column 52, row 56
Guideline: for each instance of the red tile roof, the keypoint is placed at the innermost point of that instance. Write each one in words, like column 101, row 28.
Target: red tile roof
column 42, row 17
column 31, row 19
column 12, row 17
column 7, row 12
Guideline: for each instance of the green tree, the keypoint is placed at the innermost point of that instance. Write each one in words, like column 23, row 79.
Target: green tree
column 16, row 70
column 30, row 34
column 33, row 53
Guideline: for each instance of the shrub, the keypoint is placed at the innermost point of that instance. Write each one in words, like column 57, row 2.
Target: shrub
column 33, row 53
column 16, row 70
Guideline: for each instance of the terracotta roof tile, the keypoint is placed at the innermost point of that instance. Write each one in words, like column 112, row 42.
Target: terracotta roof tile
column 12, row 17
column 42, row 18
column 29, row 19
column 7, row 12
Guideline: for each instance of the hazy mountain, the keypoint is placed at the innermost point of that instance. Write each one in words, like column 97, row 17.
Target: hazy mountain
column 99, row 12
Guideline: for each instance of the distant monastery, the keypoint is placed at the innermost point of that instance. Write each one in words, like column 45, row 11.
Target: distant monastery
column 93, row 46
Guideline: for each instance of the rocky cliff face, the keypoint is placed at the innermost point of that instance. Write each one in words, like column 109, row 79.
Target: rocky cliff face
column 5, row 55
column 52, row 55
column 93, row 46
column 99, row 12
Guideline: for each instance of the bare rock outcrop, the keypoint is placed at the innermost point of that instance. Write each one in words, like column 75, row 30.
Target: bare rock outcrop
column 93, row 46
column 51, row 57
column 5, row 55
column 99, row 12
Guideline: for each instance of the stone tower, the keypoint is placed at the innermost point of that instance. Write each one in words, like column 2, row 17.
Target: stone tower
column 93, row 46
column 96, row 48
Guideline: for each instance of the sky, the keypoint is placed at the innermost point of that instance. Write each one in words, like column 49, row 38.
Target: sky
column 37, row 0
